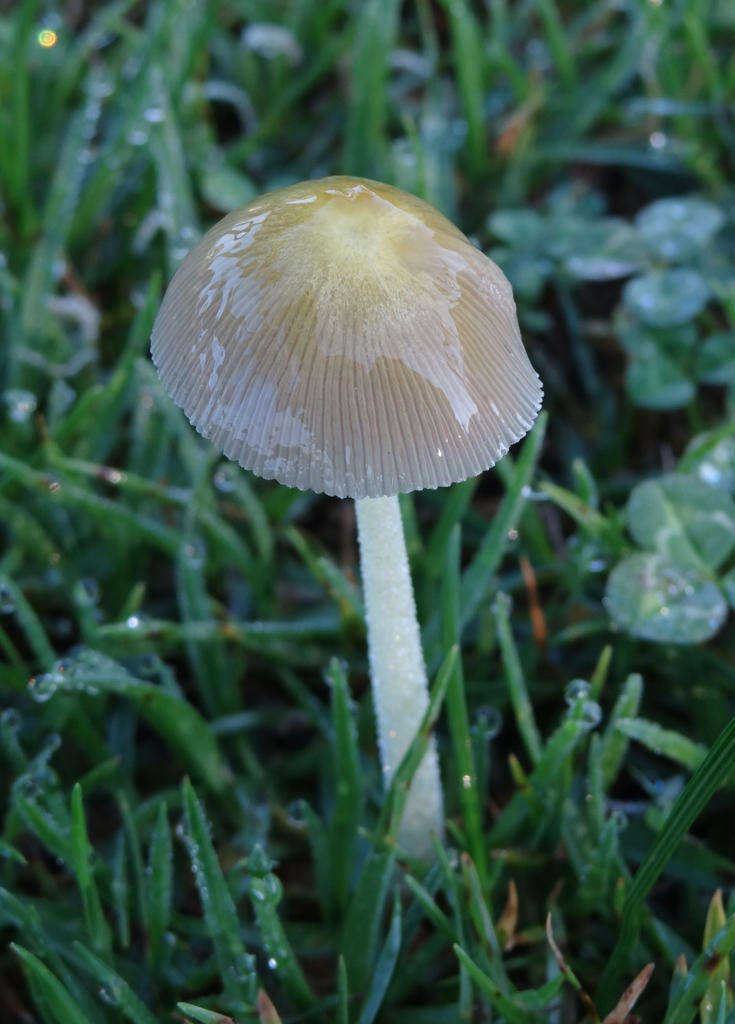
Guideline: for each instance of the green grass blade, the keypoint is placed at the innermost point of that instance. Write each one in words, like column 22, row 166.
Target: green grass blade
column 236, row 965
column 202, row 1015
column 265, row 895
column 63, row 1008
column 348, row 783
column 705, row 782
column 384, row 967
column 365, row 131
column 666, row 742
column 160, row 884
column 615, row 742
column 177, row 721
column 692, row 987
column 83, row 858
column 29, row 622
column 115, row 991
column 361, row 930
column 456, row 703
column 478, row 577
column 395, row 800
column 519, row 698
column 343, row 994
column 469, row 63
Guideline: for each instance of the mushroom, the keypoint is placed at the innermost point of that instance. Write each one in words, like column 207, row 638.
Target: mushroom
column 344, row 336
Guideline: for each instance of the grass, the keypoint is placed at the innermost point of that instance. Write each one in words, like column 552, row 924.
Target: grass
column 193, row 823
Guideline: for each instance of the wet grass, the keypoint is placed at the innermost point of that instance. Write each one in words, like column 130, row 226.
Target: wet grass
column 192, row 806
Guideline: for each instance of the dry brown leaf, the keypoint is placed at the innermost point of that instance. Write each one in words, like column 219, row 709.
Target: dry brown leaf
column 568, row 973
column 266, row 1010
column 538, row 621
column 630, row 997
column 508, row 920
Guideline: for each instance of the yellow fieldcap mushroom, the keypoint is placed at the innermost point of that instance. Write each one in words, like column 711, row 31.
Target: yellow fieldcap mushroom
column 344, row 336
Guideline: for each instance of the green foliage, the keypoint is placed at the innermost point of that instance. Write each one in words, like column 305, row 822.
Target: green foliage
column 164, row 614
column 678, row 264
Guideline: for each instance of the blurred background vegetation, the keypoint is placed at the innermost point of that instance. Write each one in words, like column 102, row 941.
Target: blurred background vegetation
column 166, row 617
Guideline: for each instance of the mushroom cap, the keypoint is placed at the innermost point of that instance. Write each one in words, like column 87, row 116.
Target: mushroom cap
column 344, row 336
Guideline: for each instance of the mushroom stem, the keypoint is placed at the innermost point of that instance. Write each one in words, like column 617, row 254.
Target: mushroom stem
column 397, row 670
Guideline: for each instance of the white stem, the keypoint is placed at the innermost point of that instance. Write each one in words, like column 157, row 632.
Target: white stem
column 397, row 670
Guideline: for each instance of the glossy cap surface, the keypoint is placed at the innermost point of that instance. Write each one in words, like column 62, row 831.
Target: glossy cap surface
column 344, row 336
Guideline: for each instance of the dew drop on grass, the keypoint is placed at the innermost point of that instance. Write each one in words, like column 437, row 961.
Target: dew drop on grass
column 576, row 689
column 101, row 85
column 591, row 714
column 19, row 404
column 271, row 41
column 223, row 480
column 108, row 996
column 576, row 694
column 10, row 720
column 195, row 552
column 7, row 599
column 137, row 137
column 43, row 687
column 88, row 591
column 243, row 966
column 296, row 812
column 488, row 722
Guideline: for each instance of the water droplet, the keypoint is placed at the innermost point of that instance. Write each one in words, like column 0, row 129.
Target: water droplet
column 20, row 404
column 259, row 864
column 591, row 714
column 272, row 41
column 10, row 721
column 243, row 967
column 137, row 137
column 101, row 86
column 576, row 689
column 195, row 552
column 223, row 480
column 88, row 592
column 296, row 812
column 108, row 996
column 43, row 687
column 272, row 963
column 7, row 599
column 488, row 722
column 132, row 622
column 154, row 115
